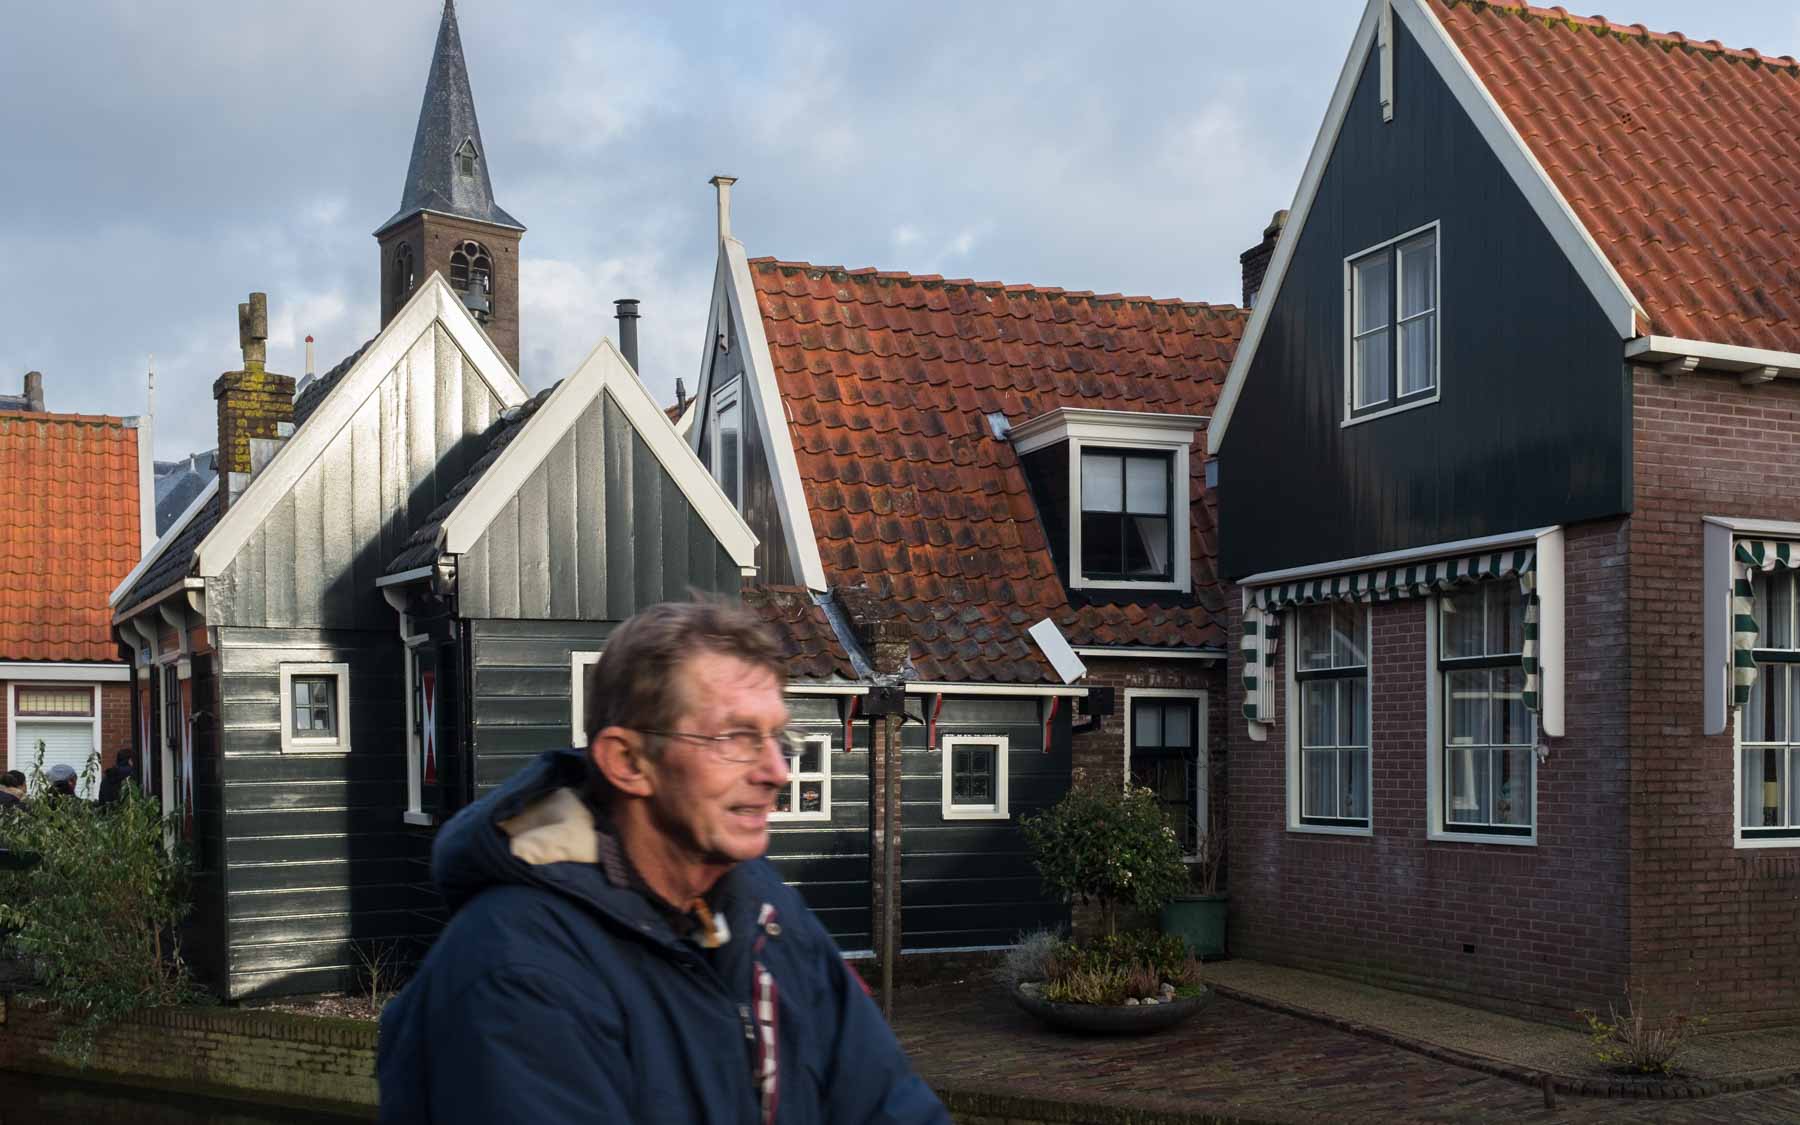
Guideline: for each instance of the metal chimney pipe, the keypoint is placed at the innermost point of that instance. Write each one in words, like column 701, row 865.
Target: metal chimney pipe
column 628, row 329
column 309, row 357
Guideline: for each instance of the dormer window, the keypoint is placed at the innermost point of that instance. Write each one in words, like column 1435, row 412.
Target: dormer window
column 1125, row 502
column 726, row 441
column 1112, row 489
column 465, row 158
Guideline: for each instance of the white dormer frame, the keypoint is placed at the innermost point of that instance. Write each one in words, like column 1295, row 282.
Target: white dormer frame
column 1121, row 429
column 734, row 306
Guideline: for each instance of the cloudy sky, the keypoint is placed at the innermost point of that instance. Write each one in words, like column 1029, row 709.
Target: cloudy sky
column 162, row 158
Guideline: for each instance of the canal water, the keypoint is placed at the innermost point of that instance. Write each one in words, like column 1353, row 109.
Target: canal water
column 27, row 1099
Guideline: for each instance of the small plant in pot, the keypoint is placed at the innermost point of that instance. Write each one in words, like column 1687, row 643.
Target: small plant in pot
column 1113, row 848
column 1197, row 915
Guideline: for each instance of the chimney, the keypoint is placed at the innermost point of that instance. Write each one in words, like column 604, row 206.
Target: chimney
column 309, row 357
column 1256, row 259
column 34, row 391
column 253, row 403
column 628, row 341
column 723, row 184
column 680, row 397
column 884, row 635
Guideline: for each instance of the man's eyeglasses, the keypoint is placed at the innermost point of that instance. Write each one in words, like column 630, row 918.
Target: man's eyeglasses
column 740, row 746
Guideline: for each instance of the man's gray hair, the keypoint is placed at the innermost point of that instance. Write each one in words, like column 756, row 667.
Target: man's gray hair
column 633, row 684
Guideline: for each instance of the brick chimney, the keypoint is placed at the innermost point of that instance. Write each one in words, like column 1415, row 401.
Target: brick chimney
column 253, row 403
column 34, row 391
column 1256, row 259
column 884, row 636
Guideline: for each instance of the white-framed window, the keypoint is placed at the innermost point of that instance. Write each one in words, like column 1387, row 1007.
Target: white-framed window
column 315, row 708
column 1768, row 764
column 1483, row 768
column 726, row 434
column 1124, row 493
column 808, row 794
column 1392, row 325
column 64, row 717
column 1127, row 496
column 1329, row 768
column 1165, row 752
column 975, row 776
column 580, row 663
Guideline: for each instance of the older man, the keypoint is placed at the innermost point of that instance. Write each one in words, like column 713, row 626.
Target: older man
column 618, row 949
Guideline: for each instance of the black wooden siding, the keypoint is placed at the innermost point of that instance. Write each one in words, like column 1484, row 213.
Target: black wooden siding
column 597, row 532
column 204, row 929
column 1533, row 424
column 316, row 858
column 971, row 882
column 828, row 861
column 521, row 684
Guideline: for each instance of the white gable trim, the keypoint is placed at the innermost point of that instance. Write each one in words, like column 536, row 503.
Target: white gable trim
column 1609, row 289
column 739, row 293
column 156, row 550
column 433, row 303
column 603, row 370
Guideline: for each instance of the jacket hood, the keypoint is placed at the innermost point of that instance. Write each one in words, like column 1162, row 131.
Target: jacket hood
column 538, row 830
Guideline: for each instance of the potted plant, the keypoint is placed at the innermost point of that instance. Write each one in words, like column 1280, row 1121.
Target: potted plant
column 1113, row 848
column 1198, row 916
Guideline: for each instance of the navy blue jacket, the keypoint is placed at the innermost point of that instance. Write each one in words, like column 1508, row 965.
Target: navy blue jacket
column 555, row 996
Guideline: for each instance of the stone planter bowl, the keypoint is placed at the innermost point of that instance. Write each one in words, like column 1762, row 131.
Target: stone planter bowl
column 1111, row 1019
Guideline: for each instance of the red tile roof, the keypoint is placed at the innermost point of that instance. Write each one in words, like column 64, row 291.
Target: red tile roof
column 68, row 532
column 1682, row 158
column 887, row 378
column 812, row 646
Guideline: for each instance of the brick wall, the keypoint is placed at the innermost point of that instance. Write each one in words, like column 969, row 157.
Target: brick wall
column 1715, row 929
column 433, row 239
column 1538, row 930
column 270, row 1055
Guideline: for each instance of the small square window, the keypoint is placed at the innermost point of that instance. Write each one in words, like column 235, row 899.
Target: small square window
column 808, row 792
column 975, row 770
column 315, row 703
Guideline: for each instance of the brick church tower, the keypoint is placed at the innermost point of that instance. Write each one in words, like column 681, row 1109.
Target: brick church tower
column 448, row 221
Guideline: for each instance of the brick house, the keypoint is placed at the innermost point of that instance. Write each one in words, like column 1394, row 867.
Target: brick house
column 991, row 498
column 70, row 527
column 1504, row 476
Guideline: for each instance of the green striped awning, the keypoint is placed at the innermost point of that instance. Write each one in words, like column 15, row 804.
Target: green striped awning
column 1748, row 557
column 1264, row 605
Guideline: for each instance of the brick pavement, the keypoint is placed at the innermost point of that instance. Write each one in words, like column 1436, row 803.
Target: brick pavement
column 1236, row 1062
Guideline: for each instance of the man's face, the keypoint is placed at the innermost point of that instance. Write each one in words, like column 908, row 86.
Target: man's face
column 714, row 809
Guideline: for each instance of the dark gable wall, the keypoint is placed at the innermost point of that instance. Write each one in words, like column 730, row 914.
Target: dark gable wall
column 1532, row 425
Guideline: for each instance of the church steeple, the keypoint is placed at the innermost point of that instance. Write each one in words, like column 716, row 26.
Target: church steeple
column 448, row 220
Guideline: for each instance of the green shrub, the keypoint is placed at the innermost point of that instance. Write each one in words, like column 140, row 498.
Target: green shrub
column 1110, row 969
column 96, row 916
column 1108, row 845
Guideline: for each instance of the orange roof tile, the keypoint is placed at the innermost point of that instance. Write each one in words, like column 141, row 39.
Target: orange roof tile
column 1682, row 158
column 68, row 532
column 887, row 379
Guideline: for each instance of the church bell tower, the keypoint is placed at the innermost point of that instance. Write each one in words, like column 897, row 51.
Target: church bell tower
column 448, row 220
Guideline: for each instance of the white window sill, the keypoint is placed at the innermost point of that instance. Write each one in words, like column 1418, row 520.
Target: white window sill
column 976, row 814
column 1329, row 830
column 420, row 819
column 1109, row 584
column 822, row 816
column 307, row 747
column 1440, row 837
column 1358, row 419
column 1763, row 843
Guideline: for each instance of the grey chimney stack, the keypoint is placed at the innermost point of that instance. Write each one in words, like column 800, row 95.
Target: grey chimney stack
column 34, row 391
column 628, row 330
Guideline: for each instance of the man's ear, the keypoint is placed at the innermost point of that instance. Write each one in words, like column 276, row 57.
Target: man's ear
column 620, row 756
